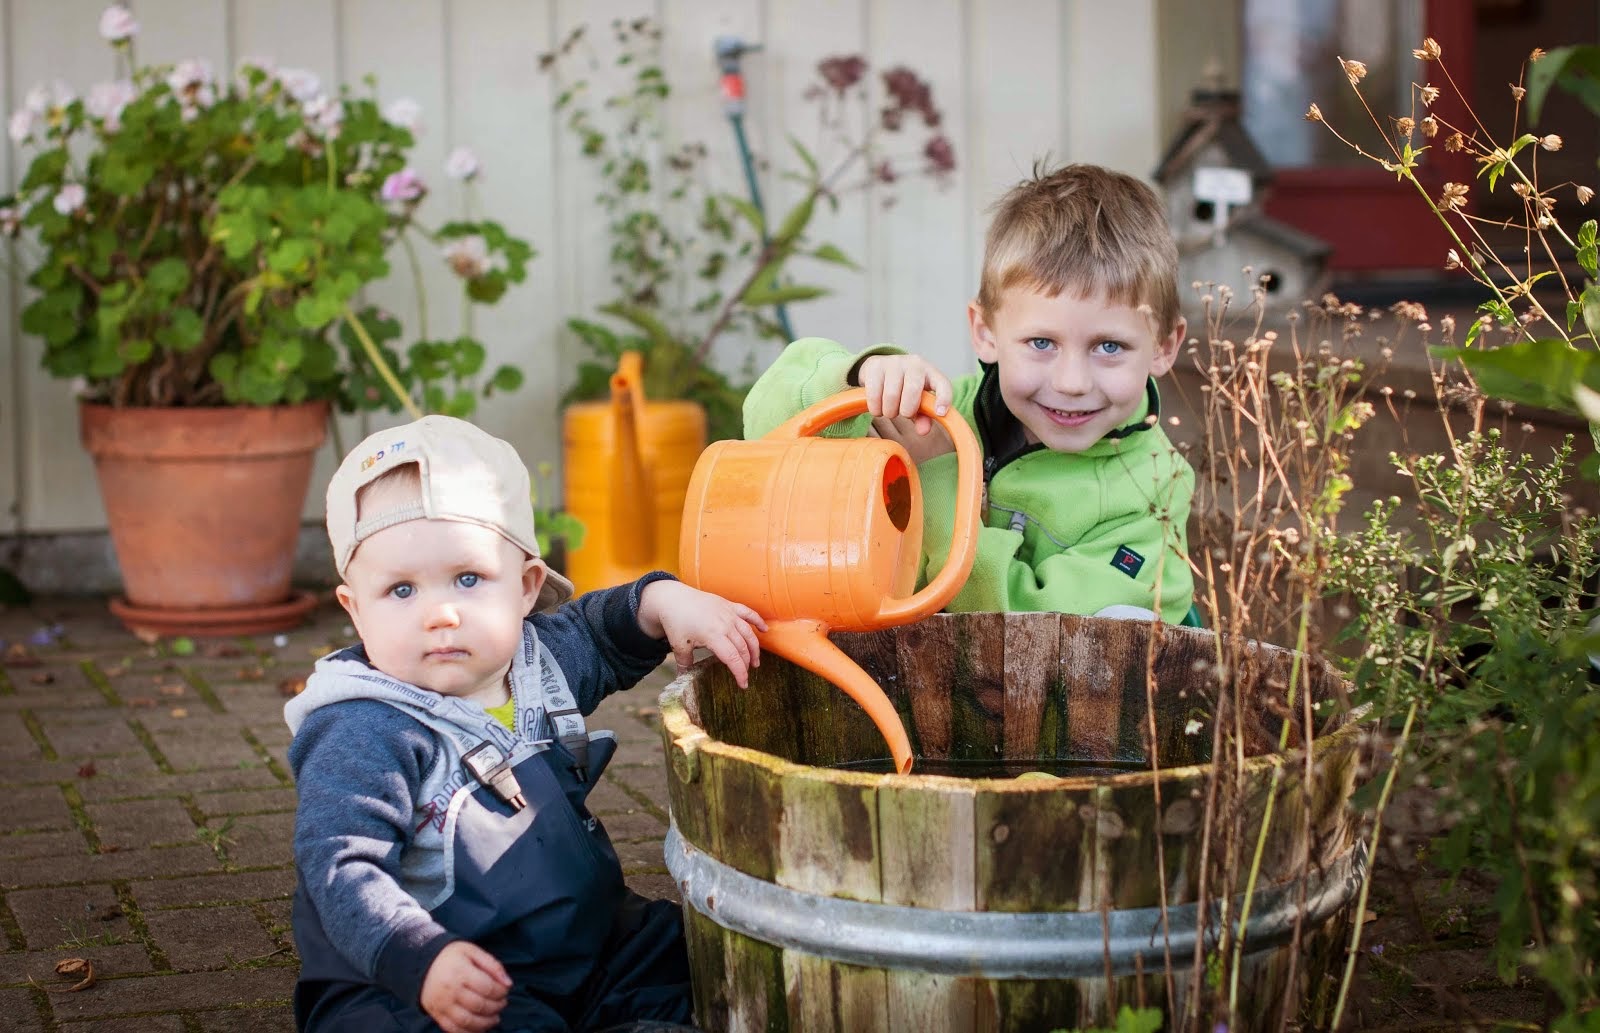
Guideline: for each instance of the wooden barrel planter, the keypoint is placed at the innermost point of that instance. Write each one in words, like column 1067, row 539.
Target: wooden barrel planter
column 823, row 893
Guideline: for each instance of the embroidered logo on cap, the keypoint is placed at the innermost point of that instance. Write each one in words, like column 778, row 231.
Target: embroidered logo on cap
column 1127, row 561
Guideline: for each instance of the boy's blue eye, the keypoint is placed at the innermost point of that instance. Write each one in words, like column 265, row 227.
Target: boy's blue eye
column 467, row 580
column 1041, row 343
column 1110, row 347
column 403, row 590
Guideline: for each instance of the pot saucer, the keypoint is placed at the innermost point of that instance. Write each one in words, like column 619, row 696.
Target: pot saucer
column 166, row 622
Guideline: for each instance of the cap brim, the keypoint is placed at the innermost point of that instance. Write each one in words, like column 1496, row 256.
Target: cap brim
column 556, row 590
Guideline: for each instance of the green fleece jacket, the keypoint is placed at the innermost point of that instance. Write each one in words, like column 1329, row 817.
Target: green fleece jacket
column 1069, row 532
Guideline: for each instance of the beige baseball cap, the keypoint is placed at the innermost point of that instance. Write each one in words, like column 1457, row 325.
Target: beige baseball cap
column 467, row 474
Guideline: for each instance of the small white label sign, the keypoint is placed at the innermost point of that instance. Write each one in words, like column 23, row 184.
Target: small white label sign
column 1222, row 186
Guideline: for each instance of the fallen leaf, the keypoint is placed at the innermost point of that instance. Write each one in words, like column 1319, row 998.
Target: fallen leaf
column 43, row 678
column 1371, row 916
column 108, row 848
column 172, row 690
column 226, row 650
column 87, row 770
column 255, row 673
column 71, row 967
column 140, row 701
column 292, row 686
column 19, row 655
column 180, row 712
column 147, row 636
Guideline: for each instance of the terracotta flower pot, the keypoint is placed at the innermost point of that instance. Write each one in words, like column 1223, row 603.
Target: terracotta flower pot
column 204, row 511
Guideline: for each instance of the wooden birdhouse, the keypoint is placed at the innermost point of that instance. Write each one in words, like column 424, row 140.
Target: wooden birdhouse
column 1216, row 182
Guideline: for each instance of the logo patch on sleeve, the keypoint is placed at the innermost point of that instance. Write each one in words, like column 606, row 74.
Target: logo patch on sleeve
column 1127, row 561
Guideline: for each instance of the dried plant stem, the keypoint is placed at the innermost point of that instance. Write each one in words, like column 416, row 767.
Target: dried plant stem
column 1354, row 951
column 1266, row 816
column 378, row 363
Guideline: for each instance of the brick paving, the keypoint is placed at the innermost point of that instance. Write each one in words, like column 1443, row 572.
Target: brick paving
column 149, row 820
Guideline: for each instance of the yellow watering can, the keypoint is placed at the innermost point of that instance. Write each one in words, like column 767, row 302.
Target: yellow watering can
column 626, row 463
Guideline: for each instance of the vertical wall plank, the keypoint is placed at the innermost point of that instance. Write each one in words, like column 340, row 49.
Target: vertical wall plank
column 918, row 275
column 1111, row 53
column 12, row 359
column 298, row 34
column 500, row 109
column 583, row 269
column 50, row 42
column 177, row 30
column 291, row 33
column 404, row 44
column 695, row 115
column 799, row 36
column 1013, row 122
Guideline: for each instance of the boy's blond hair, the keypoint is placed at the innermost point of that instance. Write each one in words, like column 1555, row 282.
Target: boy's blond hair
column 1082, row 229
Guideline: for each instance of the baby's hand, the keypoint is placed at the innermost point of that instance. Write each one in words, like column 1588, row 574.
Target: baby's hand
column 687, row 617
column 895, row 384
column 465, row 989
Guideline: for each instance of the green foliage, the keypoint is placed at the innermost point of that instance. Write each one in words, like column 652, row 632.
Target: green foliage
column 1129, row 1020
column 551, row 523
column 1575, row 69
column 1477, row 616
column 692, row 266
column 194, row 241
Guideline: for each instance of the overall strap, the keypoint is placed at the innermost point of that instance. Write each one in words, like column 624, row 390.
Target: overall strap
column 556, row 699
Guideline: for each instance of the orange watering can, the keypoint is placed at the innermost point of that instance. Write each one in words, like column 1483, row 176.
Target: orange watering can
column 822, row 533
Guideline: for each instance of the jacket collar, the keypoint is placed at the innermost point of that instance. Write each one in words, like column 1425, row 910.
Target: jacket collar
column 1001, row 433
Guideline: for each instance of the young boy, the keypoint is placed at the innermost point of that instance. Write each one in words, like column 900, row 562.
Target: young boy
column 1076, row 315
column 450, row 875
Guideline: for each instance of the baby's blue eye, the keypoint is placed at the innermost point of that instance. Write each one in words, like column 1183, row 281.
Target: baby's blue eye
column 403, row 590
column 467, row 580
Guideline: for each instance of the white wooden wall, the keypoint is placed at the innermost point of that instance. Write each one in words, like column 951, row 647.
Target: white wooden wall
column 1017, row 80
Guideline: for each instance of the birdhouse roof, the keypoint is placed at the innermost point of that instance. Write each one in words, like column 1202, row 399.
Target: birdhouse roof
column 1283, row 235
column 1213, row 116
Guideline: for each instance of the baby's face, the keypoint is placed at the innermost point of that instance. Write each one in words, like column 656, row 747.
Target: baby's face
column 1072, row 369
column 439, row 604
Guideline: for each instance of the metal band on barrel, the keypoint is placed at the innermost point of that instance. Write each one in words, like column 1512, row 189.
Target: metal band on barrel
column 991, row 944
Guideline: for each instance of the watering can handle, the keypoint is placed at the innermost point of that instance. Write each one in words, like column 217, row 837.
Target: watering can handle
column 969, row 498
column 634, row 540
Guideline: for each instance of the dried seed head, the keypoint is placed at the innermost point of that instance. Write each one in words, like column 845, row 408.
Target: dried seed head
column 1452, row 259
column 1455, row 142
column 1520, row 189
column 1536, row 54
column 1584, row 194
column 1454, row 196
column 1355, row 71
column 1517, row 92
column 1429, row 51
column 1551, row 142
column 1404, row 126
column 1430, row 93
column 1313, row 114
column 1430, row 126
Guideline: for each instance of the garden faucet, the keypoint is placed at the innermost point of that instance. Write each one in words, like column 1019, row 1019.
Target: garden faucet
column 730, row 51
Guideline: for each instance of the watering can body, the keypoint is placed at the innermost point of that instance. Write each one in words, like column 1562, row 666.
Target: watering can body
column 626, row 464
column 817, row 534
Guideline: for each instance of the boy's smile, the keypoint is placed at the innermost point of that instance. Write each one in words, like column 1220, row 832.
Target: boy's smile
column 439, row 604
column 1072, row 369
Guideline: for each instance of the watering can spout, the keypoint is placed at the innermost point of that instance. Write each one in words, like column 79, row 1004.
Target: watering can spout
column 633, row 517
